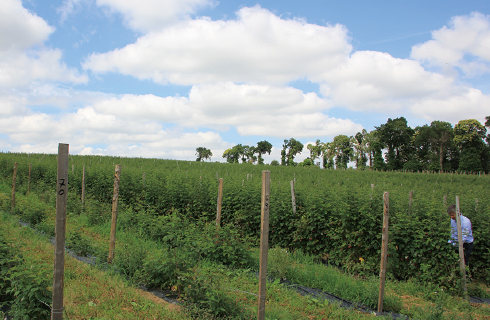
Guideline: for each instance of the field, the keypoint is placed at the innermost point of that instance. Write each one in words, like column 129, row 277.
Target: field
column 166, row 237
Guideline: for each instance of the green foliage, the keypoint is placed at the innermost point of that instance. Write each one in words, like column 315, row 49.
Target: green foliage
column 204, row 297
column 203, row 154
column 23, row 285
column 80, row 244
column 290, row 149
column 31, row 209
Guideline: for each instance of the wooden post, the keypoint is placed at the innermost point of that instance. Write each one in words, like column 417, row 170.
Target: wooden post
column 144, row 179
column 29, row 179
column 460, row 247
column 12, row 206
column 220, row 202
column 264, row 242
column 384, row 250
column 83, row 186
column 115, row 198
column 293, row 196
column 60, row 227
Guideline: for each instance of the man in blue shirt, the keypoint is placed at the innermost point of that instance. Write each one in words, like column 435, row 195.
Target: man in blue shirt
column 467, row 233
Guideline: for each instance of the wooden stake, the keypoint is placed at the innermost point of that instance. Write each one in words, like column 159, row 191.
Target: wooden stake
column 60, row 227
column 12, row 206
column 220, row 202
column 384, row 250
column 460, row 247
column 115, row 198
column 144, row 179
column 293, row 196
column 83, row 185
column 264, row 242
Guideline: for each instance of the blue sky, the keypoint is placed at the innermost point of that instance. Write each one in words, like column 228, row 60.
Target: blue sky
column 154, row 78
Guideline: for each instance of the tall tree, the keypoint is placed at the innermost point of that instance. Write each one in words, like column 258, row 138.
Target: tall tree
column 233, row 154
column 203, row 153
column 359, row 143
column 315, row 150
column 248, row 154
column 328, row 151
column 397, row 136
column 263, row 147
column 290, row 149
column 468, row 136
column 342, row 144
column 441, row 139
column 423, row 148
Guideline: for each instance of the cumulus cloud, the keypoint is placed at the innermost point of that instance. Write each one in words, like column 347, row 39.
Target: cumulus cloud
column 297, row 125
column 252, row 109
column 22, row 56
column 464, row 44
column 257, row 47
column 19, row 28
column 454, row 107
column 153, row 15
column 21, row 68
column 376, row 81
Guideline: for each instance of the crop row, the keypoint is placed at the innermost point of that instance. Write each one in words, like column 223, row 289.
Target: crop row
column 338, row 214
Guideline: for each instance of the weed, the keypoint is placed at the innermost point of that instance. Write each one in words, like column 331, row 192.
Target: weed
column 80, row 244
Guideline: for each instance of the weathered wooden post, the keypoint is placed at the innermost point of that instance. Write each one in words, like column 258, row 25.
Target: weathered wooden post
column 460, row 247
column 60, row 227
column 293, row 196
column 264, row 242
column 115, row 199
column 384, row 250
column 12, row 206
column 144, row 179
column 220, row 202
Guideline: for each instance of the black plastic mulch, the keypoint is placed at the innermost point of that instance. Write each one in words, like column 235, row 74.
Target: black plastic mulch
column 322, row 295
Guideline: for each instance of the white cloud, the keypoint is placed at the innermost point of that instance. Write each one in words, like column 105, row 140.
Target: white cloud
column 465, row 44
column 468, row 103
column 20, row 29
column 233, row 99
column 252, row 109
column 21, row 68
column 153, row 15
column 166, row 109
column 297, row 125
column 376, row 81
column 22, row 56
column 257, row 47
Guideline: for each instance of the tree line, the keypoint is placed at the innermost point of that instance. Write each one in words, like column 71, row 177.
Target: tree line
column 391, row 146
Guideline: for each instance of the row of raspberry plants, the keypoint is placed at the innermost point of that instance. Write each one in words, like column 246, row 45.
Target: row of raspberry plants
column 339, row 213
